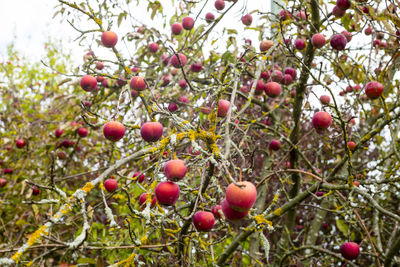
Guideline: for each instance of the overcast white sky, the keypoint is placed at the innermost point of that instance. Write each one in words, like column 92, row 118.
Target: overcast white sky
column 29, row 24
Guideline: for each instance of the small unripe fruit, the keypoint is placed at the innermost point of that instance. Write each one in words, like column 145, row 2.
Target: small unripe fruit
column 318, row 40
column 110, row 185
column 374, row 89
column 223, row 107
column 167, row 193
column 176, row 28
column 7, row 171
column 61, row 155
column 175, row 62
column 203, row 221
column 241, row 197
column 88, row 83
column 247, row 19
column 273, row 89
column 350, row 250
column 321, row 120
column 83, row 132
column 137, row 83
column 275, row 145
column 153, row 48
column 113, row 130
column 319, row 194
column 109, row 39
column 175, row 170
column 338, row 41
column 188, row 23
column 151, row 131
column 325, row 99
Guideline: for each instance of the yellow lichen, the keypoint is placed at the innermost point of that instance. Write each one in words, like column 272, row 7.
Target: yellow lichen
column 261, row 220
column 278, row 212
column 88, row 186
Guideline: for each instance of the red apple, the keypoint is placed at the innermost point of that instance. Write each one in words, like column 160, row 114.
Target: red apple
column 343, row 4
column 167, row 193
column 3, row 182
column 230, row 213
column 175, row 62
column 196, row 67
column 219, row 4
column 259, row 87
column 338, row 41
column 299, row 44
column 88, row 83
column 325, row 99
column 110, row 185
column 151, row 131
column 188, row 23
column 7, row 171
column 35, row 190
column 368, row 31
column 137, row 83
column 247, row 19
column 172, row 107
column 166, row 80
column 273, row 89
column 205, row 110
column 287, row 79
column 318, row 40
column 275, row 145
column 203, row 221
column 223, row 107
column 347, row 35
column 176, row 28
column 321, row 120
column 292, row 72
column 284, row 15
column 61, row 155
column 175, row 170
column 83, row 132
column 319, row 194
column 59, row 132
column 113, row 130
column 20, row 143
column 216, row 211
column 142, row 201
column 210, row 17
column 183, row 100
column 109, row 39
column 153, row 48
column 182, row 83
column 374, row 89
column 241, row 197
column 351, row 145
column 140, row 176
column 99, row 65
column 301, row 15
column 265, row 45
column 350, row 250
column 276, row 76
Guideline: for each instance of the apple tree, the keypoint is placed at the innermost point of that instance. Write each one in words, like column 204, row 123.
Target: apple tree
column 205, row 133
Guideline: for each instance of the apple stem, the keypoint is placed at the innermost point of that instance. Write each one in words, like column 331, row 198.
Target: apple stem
column 240, row 175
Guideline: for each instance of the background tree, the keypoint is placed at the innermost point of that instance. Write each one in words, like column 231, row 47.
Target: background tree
column 178, row 142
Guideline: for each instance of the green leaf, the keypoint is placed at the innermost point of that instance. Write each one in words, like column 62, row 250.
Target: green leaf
column 87, row 260
column 342, row 226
